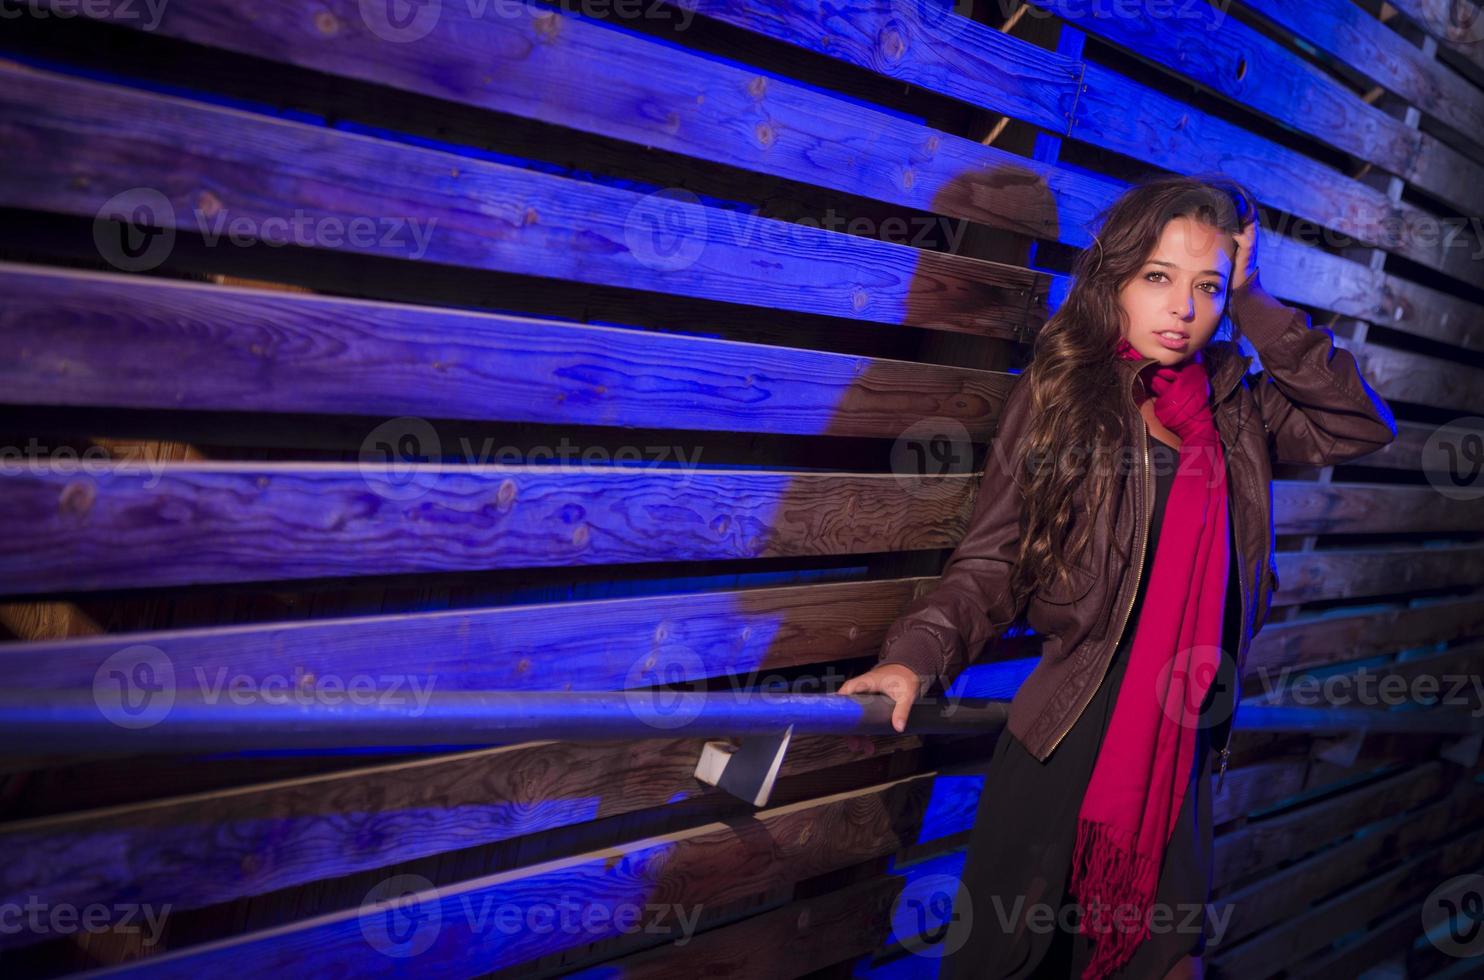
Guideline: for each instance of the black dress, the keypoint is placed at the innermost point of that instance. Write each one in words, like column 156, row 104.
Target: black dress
column 1020, row 848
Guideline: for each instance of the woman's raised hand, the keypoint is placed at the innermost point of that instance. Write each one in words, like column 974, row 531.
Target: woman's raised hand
column 1245, row 262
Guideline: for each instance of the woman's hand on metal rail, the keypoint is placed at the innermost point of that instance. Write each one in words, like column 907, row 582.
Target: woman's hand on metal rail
column 897, row 682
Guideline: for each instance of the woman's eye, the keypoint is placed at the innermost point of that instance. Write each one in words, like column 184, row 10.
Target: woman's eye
column 1215, row 289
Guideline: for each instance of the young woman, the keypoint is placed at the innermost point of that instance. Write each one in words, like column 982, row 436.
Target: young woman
column 1125, row 516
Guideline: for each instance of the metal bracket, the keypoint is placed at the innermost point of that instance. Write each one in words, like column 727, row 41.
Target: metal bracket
column 1464, row 751
column 747, row 770
column 1341, row 751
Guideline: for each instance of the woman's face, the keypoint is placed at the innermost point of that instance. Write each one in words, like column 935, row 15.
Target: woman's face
column 1175, row 301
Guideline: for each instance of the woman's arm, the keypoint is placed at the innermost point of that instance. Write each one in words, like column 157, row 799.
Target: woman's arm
column 941, row 632
column 1315, row 404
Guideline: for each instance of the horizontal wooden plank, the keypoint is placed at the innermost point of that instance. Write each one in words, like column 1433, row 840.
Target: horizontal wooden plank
column 1286, row 895
column 1344, row 573
column 1307, row 275
column 1376, row 893
column 1328, row 639
column 535, row 62
column 1063, row 208
column 1441, row 452
column 1303, row 507
column 968, row 61
column 708, row 865
column 206, row 848
column 1260, row 845
column 129, row 525
column 1440, row 689
column 1385, row 941
column 255, row 178
column 1439, row 165
column 1116, row 114
column 1407, row 450
column 1241, row 64
column 553, row 68
column 1269, row 773
column 792, row 941
column 1347, row 33
column 1237, row 62
column 1435, row 381
column 92, row 339
column 1455, row 24
column 602, row 645
column 1429, row 313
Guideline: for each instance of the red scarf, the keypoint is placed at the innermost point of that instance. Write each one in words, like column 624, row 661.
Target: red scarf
column 1143, row 768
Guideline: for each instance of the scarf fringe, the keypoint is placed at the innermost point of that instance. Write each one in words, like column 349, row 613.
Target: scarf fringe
column 1105, row 860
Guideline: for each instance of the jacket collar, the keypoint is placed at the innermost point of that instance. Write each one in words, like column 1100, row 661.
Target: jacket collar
column 1225, row 363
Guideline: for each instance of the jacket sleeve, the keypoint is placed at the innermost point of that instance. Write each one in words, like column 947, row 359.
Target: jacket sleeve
column 1316, row 406
column 941, row 632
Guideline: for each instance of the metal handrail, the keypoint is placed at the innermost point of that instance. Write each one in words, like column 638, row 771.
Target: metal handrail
column 46, row 721
column 60, row 721
column 1348, row 721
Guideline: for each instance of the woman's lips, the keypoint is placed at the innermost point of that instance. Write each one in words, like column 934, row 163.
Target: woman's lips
column 1172, row 344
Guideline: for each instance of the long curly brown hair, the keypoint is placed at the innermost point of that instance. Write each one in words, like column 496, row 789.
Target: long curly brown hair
column 1077, row 434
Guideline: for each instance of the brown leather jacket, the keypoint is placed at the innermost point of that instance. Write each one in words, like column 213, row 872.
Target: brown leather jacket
column 1309, row 405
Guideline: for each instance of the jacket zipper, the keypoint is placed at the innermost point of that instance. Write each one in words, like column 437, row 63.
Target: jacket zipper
column 1231, row 727
column 1138, row 569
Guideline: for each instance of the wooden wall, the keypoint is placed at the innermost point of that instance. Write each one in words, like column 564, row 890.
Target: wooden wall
column 502, row 345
